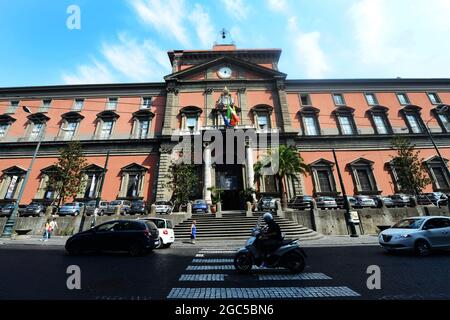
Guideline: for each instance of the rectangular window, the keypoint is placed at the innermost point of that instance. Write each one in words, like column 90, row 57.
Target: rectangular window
column 414, row 123
column 12, row 187
column 263, row 121
column 441, row 181
column 78, row 104
column 191, row 123
column 69, row 130
column 434, row 98
column 146, row 102
column 380, row 124
column 143, row 128
column 13, row 105
column 304, row 99
column 345, row 123
column 46, row 104
column 364, row 180
column 310, row 126
column 106, row 129
column 112, row 104
column 371, row 99
column 444, row 121
column 133, row 185
column 324, row 181
column 36, row 131
column 402, row 98
column 338, row 99
column 3, row 129
column 91, row 186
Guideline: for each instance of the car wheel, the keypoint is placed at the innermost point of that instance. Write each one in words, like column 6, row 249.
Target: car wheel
column 135, row 249
column 167, row 245
column 160, row 244
column 77, row 213
column 41, row 214
column 422, row 248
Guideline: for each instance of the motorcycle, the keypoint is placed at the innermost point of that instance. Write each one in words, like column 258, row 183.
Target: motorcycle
column 288, row 255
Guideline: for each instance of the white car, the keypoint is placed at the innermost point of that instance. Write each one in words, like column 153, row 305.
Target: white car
column 164, row 207
column 421, row 234
column 166, row 233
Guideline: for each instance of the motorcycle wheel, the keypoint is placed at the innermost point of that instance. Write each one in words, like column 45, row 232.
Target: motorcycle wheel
column 242, row 262
column 295, row 262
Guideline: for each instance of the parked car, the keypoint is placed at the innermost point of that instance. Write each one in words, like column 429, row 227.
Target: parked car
column 138, row 207
column 137, row 237
column 401, row 200
column 34, row 209
column 267, row 203
column 6, row 209
column 124, row 205
column 435, row 198
column 71, row 209
column 326, row 202
column 301, row 202
column 200, row 205
column 352, row 200
column 90, row 207
column 164, row 207
column 364, row 202
column 380, row 200
column 166, row 233
column 421, row 234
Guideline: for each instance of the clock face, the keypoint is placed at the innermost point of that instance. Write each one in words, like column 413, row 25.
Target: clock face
column 224, row 72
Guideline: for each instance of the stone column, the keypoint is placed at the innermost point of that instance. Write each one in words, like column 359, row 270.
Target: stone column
column 162, row 192
column 242, row 97
column 207, row 183
column 282, row 96
column 171, row 103
column 249, row 167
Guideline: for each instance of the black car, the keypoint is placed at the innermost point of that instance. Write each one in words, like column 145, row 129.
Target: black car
column 301, row 202
column 136, row 237
column 34, row 209
column 138, row 207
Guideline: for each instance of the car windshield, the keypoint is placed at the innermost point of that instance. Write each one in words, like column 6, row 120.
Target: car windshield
column 91, row 203
column 161, row 203
column 160, row 224
column 115, row 203
column 199, row 202
column 408, row 224
column 137, row 202
column 327, row 199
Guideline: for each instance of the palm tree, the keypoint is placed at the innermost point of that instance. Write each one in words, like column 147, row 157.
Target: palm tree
column 290, row 163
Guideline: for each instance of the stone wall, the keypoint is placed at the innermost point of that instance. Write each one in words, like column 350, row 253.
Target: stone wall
column 66, row 225
column 2, row 223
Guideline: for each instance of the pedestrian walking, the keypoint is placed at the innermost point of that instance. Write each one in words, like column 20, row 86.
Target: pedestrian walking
column 47, row 227
column 53, row 227
column 193, row 232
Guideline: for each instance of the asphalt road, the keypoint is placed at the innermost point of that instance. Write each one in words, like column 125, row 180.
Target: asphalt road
column 336, row 273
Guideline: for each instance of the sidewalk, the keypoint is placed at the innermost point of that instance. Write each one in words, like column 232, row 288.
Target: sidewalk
column 326, row 241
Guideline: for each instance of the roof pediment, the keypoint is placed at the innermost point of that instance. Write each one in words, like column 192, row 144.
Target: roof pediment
column 194, row 73
column 134, row 167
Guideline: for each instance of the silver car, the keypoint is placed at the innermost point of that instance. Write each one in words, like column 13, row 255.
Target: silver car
column 124, row 205
column 326, row 202
column 421, row 234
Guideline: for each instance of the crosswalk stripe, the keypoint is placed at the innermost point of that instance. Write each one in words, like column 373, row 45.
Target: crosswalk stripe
column 199, row 255
column 217, row 251
column 202, row 277
column 301, row 276
column 218, row 267
column 212, row 260
column 261, row 293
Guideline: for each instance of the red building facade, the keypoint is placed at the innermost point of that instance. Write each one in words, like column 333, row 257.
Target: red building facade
column 140, row 124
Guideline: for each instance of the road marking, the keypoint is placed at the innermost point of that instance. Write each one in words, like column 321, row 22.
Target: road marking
column 218, row 267
column 212, row 261
column 202, row 277
column 261, row 293
column 217, row 251
column 301, row 276
column 199, row 255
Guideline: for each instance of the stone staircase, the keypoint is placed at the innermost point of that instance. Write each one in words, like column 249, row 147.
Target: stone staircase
column 236, row 225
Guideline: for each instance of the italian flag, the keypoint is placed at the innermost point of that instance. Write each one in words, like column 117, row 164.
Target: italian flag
column 232, row 116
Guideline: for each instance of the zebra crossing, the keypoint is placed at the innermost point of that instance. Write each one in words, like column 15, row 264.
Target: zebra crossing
column 211, row 275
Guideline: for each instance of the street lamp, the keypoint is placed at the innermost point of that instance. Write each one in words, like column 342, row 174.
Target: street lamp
column 439, row 110
column 7, row 230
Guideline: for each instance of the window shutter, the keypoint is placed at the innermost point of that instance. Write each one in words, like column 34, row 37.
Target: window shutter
column 4, row 186
column 124, row 185
column 142, row 184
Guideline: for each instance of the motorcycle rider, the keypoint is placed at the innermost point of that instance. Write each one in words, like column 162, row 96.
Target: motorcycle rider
column 271, row 238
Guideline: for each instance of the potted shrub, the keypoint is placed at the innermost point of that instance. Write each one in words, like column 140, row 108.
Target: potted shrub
column 215, row 198
column 247, row 194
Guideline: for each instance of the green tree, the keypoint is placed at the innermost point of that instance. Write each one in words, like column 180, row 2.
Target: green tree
column 67, row 178
column 412, row 177
column 182, row 181
column 290, row 164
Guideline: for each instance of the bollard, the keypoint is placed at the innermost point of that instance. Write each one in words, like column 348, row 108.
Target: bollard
column 189, row 210
column 249, row 212
column 219, row 210
column 153, row 210
column 117, row 213
column 280, row 211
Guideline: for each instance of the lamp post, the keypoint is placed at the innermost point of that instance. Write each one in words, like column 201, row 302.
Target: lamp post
column 7, row 230
column 100, row 189
column 348, row 219
column 441, row 110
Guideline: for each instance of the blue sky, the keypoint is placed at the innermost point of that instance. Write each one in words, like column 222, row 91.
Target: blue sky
column 127, row 40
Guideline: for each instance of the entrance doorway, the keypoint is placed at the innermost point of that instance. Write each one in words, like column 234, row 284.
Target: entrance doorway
column 229, row 179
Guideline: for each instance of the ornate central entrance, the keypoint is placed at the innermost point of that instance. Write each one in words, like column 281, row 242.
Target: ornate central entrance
column 229, row 179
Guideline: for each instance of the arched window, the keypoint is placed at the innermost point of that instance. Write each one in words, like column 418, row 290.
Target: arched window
column 380, row 121
column 363, row 177
column 92, row 176
column 323, row 178
column 133, row 182
column 69, row 125
column 11, row 182
column 142, row 122
column 262, row 116
column 442, row 114
column 5, row 123
column 105, row 124
column 438, row 173
column 413, row 120
column 36, row 126
column 345, row 120
column 190, row 118
column 309, row 120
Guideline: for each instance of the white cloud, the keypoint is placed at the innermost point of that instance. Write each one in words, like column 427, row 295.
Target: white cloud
column 280, row 6
column 166, row 16
column 89, row 74
column 307, row 51
column 203, row 26
column 236, row 8
column 138, row 61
